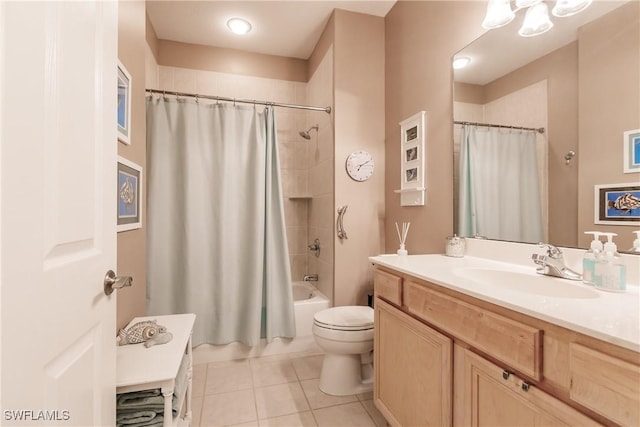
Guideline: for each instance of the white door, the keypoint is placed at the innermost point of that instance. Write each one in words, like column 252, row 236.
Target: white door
column 58, row 63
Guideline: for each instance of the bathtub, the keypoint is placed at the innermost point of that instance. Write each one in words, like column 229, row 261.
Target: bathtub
column 307, row 301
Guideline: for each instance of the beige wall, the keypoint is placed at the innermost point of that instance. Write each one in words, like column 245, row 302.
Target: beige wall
column 359, row 101
column 132, row 244
column 609, row 60
column 231, row 61
column 421, row 38
column 468, row 93
column 560, row 69
column 151, row 37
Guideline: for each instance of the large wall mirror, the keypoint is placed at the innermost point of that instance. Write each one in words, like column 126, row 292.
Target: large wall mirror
column 546, row 172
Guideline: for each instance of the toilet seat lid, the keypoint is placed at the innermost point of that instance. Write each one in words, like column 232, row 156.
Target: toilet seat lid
column 346, row 317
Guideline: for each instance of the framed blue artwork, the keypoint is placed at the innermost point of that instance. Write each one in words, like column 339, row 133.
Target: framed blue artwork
column 631, row 150
column 617, row 204
column 129, row 199
column 124, row 105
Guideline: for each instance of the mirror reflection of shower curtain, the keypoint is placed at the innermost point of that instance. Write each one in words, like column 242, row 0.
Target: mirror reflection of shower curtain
column 499, row 196
column 216, row 242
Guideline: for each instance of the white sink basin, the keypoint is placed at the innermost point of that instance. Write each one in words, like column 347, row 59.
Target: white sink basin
column 529, row 283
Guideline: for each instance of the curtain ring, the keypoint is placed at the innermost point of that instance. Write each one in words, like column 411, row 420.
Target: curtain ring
column 234, row 102
column 197, row 100
column 164, row 92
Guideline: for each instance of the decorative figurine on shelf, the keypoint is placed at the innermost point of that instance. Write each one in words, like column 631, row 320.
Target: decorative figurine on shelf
column 143, row 332
column 161, row 338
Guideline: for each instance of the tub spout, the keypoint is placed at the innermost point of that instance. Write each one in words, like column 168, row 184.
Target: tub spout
column 310, row 278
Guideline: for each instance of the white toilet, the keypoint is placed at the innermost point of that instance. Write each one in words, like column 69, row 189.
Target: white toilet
column 346, row 336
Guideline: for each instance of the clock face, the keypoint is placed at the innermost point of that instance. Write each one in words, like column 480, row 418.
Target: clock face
column 360, row 165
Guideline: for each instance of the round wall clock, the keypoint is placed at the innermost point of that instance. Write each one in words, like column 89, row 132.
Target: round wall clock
column 360, row 165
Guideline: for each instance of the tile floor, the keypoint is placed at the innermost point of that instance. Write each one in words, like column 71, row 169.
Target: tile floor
column 277, row 390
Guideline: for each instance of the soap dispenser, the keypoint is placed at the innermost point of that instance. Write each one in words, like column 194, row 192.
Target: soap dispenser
column 610, row 271
column 636, row 243
column 591, row 257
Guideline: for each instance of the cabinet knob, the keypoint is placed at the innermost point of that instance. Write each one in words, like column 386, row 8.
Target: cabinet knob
column 525, row 386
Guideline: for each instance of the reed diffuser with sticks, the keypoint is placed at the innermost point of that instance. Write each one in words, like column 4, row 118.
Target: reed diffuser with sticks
column 402, row 236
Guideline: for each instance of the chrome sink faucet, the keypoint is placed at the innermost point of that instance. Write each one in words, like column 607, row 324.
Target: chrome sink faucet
column 310, row 278
column 552, row 264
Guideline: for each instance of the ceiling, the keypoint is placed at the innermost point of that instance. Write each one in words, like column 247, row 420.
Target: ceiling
column 283, row 28
column 291, row 28
column 500, row 51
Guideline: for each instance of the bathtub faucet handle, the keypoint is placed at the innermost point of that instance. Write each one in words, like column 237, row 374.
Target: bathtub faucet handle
column 315, row 247
column 310, row 278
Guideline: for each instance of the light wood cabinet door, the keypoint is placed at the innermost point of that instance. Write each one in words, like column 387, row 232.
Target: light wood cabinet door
column 491, row 397
column 413, row 370
column 605, row 384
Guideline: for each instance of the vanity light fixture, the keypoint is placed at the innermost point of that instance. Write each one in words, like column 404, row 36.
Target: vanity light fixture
column 569, row 7
column 239, row 26
column 498, row 15
column 461, row 62
column 521, row 4
column 536, row 21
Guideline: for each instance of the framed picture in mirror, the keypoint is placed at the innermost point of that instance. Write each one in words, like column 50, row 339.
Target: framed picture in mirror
column 617, row 204
column 631, row 149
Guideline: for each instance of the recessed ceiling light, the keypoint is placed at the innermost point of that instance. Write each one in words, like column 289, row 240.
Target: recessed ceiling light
column 461, row 62
column 239, row 26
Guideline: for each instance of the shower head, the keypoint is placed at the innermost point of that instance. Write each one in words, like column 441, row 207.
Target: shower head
column 305, row 133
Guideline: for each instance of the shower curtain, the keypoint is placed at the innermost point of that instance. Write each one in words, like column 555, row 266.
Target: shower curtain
column 216, row 239
column 499, row 195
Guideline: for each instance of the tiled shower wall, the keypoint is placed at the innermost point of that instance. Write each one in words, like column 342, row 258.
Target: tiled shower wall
column 294, row 158
column 321, row 175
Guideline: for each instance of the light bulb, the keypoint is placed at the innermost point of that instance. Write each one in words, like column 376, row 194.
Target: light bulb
column 499, row 14
column 461, row 62
column 521, row 4
column 565, row 8
column 536, row 21
column 239, row 26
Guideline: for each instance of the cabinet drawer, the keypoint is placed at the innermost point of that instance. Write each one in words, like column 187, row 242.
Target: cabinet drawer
column 516, row 344
column 388, row 286
column 605, row 384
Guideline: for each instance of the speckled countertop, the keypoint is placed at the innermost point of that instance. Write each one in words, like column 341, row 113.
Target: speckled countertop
column 608, row 316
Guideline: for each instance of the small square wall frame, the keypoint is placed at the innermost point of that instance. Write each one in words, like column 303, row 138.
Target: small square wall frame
column 412, row 160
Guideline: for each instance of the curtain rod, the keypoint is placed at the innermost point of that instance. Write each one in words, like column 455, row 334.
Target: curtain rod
column 539, row 130
column 242, row 101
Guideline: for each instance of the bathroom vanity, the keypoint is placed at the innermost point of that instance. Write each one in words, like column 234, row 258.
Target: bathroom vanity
column 474, row 342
